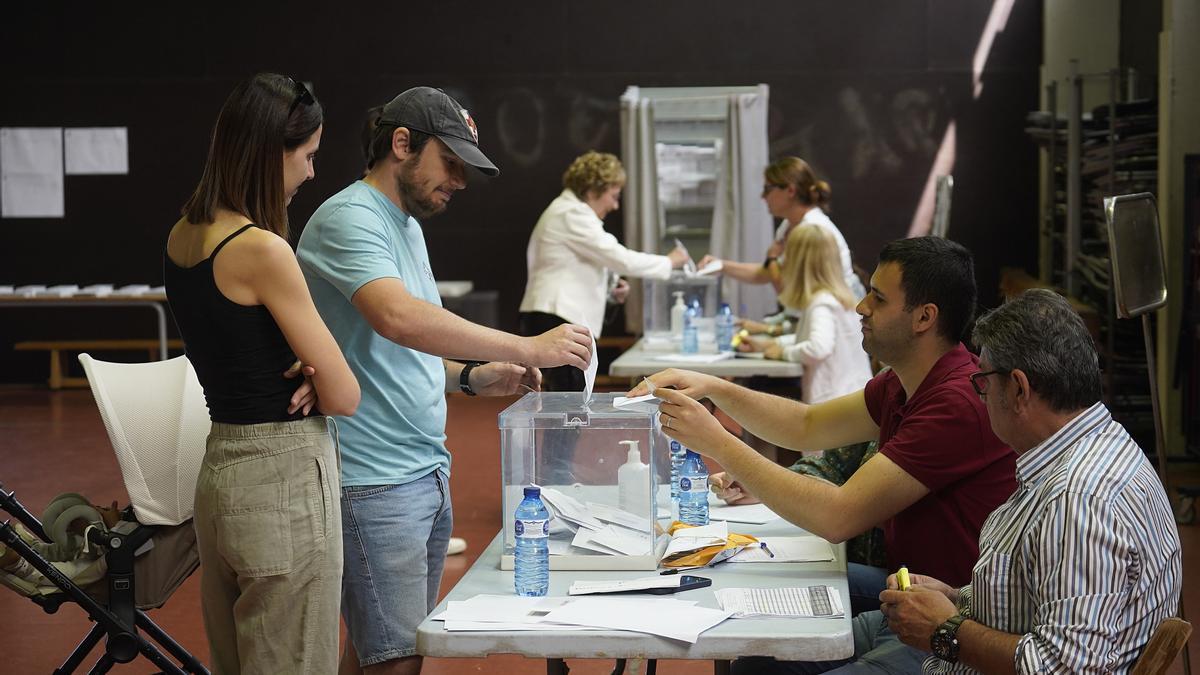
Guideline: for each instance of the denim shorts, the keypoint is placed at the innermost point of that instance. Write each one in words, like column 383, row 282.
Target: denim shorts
column 394, row 541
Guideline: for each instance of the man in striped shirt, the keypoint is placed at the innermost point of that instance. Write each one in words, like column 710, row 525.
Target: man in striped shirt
column 1082, row 563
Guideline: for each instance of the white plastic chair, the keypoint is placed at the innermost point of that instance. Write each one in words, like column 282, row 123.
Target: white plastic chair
column 158, row 422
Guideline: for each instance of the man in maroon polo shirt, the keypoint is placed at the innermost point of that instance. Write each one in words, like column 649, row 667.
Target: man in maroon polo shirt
column 940, row 470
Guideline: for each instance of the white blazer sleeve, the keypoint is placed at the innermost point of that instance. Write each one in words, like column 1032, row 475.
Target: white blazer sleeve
column 818, row 344
column 585, row 235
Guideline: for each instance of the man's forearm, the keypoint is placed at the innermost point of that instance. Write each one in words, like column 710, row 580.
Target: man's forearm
column 428, row 328
column 986, row 649
column 807, row 502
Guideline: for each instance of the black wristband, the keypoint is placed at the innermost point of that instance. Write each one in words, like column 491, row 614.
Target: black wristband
column 464, row 382
column 770, row 259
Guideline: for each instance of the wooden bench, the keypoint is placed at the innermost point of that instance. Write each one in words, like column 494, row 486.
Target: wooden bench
column 59, row 379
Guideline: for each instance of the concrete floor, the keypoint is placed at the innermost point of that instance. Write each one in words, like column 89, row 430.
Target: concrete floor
column 53, row 442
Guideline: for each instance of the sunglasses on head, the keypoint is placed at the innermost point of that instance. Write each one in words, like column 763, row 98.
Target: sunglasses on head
column 302, row 96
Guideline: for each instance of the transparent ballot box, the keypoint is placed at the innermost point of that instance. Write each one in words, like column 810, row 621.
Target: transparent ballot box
column 659, row 296
column 604, row 497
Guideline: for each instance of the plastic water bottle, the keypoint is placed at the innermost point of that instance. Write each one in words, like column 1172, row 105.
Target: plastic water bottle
column 531, row 575
column 691, row 336
column 725, row 328
column 678, row 452
column 693, row 490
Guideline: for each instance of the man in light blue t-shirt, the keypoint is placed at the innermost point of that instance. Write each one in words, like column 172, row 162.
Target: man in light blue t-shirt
column 364, row 257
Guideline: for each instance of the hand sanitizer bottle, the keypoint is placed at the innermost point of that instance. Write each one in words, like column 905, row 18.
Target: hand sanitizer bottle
column 633, row 483
column 677, row 312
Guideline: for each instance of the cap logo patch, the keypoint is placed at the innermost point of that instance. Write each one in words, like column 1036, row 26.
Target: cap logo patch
column 470, row 125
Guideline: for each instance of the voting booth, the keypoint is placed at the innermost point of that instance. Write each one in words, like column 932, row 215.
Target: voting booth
column 604, row 473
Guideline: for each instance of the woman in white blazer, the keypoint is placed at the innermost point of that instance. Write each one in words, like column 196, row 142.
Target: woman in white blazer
column 828, row 337
column 575, row 265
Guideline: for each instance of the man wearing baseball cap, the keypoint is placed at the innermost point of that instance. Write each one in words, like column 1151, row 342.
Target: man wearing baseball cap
column 364, row 257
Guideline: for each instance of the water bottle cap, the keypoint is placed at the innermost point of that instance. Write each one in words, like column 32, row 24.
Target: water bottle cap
column 533, row 492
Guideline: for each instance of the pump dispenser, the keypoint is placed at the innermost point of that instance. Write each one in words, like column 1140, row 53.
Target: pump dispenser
column 677, row 312
column 633, row 482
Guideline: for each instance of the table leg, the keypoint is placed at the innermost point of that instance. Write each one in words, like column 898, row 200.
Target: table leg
column 721, row 667
column 162, row 330
column 557, row 667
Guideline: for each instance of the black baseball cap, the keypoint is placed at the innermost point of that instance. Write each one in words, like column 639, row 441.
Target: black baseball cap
column 432, row 111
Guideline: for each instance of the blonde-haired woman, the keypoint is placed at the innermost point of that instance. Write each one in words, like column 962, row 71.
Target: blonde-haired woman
column 793, row 193
column 828, row 337
column 575, row 266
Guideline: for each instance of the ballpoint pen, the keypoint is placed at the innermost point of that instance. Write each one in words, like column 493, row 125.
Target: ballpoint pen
column 763, row 546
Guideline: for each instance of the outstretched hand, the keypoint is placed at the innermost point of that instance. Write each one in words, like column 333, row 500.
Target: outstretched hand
column 691, row 384
column 687, row 420
column 565, row 345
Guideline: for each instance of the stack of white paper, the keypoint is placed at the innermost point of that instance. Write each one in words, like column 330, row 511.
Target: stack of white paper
column 668, row 617
column 595, row 527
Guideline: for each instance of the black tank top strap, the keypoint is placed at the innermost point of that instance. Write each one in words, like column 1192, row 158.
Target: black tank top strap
column 226, row 240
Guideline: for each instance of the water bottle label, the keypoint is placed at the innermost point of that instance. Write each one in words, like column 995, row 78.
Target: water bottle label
column 693, row 484
column 675, row 446
column 533, row 529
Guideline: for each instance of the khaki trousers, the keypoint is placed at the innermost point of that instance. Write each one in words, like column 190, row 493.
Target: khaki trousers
column 268, row 525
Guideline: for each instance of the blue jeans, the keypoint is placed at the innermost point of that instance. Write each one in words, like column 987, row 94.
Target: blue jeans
column 865, row 584
column 876, row 650
column 395, row 539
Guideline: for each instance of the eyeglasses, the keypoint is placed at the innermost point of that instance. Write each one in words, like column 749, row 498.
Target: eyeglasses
column 979, row 380
column 302, row 96
column 771, row 186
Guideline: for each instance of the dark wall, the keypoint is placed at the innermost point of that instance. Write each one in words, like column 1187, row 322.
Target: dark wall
column 862, row 89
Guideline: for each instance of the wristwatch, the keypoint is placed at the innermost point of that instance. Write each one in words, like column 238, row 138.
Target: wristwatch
column 945, row 639
column 464, row 377
column 770, row 259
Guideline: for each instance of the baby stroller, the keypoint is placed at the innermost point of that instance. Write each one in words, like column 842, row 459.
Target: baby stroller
column 157, row 422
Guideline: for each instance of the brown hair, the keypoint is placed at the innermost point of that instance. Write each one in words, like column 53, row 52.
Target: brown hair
column 795, row 172
column 262, row 118
column 812, row 263
column 593, row 172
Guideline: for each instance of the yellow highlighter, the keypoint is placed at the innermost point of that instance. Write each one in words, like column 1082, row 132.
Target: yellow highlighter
column 902, row 578
column 738, row 337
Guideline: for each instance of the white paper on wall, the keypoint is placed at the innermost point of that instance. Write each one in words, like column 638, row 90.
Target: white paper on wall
column 96, row 150
column 31, row 172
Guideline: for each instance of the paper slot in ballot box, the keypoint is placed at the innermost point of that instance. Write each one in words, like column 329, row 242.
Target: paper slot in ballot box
column 604, row 473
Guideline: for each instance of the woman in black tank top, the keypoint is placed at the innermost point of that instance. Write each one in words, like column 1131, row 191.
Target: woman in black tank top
column 267, row 514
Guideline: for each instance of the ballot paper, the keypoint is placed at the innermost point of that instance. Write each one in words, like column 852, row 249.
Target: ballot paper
column 757, row 514
column 669, row 618
column 625, row 585
column 786, row 549
column 612, row 514
column 808, row 602
column 622, row 401
column 714, row 266
column 571, row 509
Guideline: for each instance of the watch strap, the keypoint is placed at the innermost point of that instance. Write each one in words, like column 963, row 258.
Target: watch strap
column 464, row 377
column 945, row 639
